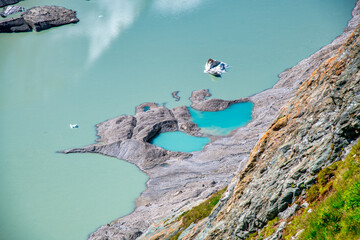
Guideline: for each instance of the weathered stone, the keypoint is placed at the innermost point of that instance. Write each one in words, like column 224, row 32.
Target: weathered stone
column 45, row 17
column 14, row 25
column 200, row 102
column 287, row 196
column 289, row 211
column 175, row 95
column 278, row 233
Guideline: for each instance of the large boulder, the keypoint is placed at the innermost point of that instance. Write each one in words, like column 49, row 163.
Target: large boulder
column 45, row 17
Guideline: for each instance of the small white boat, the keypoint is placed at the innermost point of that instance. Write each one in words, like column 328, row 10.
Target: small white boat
column 215, row 68
column 74, row 125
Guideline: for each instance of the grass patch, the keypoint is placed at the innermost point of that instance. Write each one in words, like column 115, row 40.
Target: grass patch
column 267, row 231
column 198, row 213
column 335, row 203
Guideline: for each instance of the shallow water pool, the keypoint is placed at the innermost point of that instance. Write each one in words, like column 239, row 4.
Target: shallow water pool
column 179, row 141
column 223, row 122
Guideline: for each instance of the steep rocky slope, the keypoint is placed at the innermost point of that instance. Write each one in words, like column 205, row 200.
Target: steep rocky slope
column 308, row 133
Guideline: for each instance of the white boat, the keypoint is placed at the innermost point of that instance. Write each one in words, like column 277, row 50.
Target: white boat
column 74, row 125
column 215, row 68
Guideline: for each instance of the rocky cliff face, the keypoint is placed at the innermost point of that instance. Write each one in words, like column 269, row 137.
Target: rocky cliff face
column 298, row 126
column 310, row 132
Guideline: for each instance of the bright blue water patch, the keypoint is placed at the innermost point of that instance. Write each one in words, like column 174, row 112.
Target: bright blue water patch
column 222, row 122
column 146, row 108
column 179, row 141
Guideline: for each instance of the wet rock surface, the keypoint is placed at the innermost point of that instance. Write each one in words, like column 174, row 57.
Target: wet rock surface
column 39, row 19
column 297, row 127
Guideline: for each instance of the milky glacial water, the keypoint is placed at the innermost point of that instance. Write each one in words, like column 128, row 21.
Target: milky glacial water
column 123, row 53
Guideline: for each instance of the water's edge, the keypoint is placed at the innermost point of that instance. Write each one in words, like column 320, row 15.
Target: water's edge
column 175, row 183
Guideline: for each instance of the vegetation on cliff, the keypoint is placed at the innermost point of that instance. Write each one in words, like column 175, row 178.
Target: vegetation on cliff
column 198, row 213
column 334, row 203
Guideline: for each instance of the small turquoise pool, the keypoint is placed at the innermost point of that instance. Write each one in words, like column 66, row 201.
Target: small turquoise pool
column 222, row 122
column 179, row 141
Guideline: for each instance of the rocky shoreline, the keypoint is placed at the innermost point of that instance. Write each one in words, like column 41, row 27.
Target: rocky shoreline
column 38, row 19
column 179, row 180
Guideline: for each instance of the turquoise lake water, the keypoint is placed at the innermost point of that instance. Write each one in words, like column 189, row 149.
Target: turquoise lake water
column 179, row 141
column 213, row 123
column 123, row 53
column 223, row 122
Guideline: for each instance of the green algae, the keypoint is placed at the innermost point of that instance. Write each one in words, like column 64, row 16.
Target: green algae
column 334, row 202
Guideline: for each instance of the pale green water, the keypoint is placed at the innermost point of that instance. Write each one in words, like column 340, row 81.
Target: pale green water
column 179, row 141
column 137, row 51
column 223, row 122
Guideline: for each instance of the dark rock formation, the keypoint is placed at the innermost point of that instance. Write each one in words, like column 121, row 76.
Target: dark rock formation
column 45, row 17
column 14, row 25
column 175, row 95
column 4, row 3
column 38, row 19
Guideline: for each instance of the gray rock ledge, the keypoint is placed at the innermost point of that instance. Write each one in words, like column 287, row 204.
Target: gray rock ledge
column 39, row 19
column 200, row 102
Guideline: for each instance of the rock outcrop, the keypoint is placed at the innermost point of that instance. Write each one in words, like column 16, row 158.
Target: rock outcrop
column 298, row 126
column 311, row 131
column 39, row 19
column 128, row 137
column 14, row 25
column 199, row 101
column 175, row 95
column 4, row 3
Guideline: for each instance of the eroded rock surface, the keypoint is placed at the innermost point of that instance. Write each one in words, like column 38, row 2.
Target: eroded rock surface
column 38, row 19
column 14, row 25
column 127, row 137
column 199, row 101
column 45, row 17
